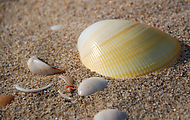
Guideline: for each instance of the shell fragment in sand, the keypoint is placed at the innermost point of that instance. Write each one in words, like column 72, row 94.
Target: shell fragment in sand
column 37, row 66
column 32, row 90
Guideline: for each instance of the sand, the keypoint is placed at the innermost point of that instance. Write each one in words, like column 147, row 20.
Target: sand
column 25, row 31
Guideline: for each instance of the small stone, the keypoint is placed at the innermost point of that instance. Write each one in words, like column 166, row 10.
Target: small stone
column 5, row 99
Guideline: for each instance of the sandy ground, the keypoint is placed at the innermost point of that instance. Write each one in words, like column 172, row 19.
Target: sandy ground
column 25, row 32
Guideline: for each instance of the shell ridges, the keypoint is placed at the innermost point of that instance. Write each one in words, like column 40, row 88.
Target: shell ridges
column 123, row 49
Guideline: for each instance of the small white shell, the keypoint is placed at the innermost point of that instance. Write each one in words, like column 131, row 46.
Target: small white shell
column 36, row 66
column 56, row 27
column 32, row 90
column 91, row 85
column 110, row 114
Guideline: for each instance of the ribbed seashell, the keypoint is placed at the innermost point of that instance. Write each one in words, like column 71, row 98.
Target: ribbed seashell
column 124, row 49
column 91, row 85
column 110, row 114
column 37, row 66
column 5, row 99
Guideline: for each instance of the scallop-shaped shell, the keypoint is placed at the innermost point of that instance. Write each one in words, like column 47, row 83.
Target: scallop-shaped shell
column 91, row 85
column 5, row 99
column 110, row 114
column 37, row 66
column 124, row 49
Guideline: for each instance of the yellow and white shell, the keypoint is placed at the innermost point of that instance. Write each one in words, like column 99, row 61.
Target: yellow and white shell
column 125, row 49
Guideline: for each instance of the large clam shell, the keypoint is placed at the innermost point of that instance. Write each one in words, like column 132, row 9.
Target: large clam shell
column 124, row 49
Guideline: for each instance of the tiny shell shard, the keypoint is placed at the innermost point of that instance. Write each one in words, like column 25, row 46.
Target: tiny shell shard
column 56, row 27
column 67, row 79
column 111, row 114
column 37, row 66
column 91, row 85
column 123, row 49
column 5, row 99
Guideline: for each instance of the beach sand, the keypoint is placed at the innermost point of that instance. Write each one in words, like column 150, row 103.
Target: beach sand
column 25, row 32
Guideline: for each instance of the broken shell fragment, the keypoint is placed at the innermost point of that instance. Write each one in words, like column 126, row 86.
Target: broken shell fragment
column 110, row 114
column 67, row 79
column 32, row 90
column 69, row 88
column 37, row 66
column 91, row 85
column 123, row 49
column 56, row 27
column 5, row 99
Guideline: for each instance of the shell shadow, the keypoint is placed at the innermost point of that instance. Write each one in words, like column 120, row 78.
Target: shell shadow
column 185, row 57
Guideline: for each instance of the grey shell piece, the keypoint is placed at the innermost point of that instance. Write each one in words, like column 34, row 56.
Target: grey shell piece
column 37, row 66
column 110, row 114
column 91, row 85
